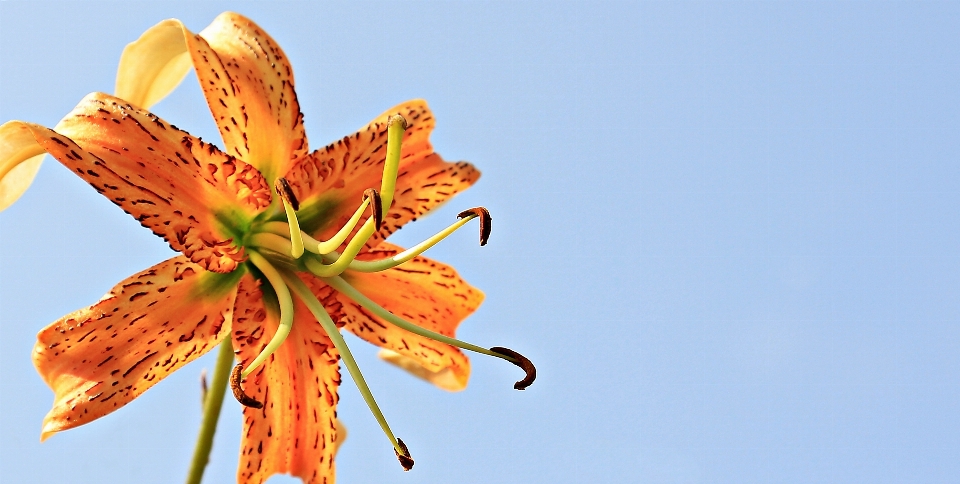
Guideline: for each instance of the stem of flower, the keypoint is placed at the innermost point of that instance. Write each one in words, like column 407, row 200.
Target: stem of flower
column 211, row 411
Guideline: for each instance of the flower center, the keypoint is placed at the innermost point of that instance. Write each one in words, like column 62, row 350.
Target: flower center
column 279, row 249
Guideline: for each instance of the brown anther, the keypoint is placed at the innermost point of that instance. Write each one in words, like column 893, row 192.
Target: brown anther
column 522, row 362
column 376, row 206
column 396, row 118
column 405, row 460
column 485, row 221
column 243, row 398
column 283, row 189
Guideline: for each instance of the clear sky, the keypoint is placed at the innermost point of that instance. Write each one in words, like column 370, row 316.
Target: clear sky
column 726, row 232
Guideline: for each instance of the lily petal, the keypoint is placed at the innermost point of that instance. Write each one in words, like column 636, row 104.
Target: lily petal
column 152, row 66
column 296, row 431
column 245, row 77
column 20, row 157
column 100, row 358
column 184, row 190
column 425, row 292
column 329, row 183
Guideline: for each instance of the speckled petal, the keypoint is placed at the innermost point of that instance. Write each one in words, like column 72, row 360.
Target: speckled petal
column 330, row 182
column 245, row 76
column 425, row 292
column 152, row 66
column 100, row 358
column 20, row 157
column 295, row 431
column 248, row 82
column 184, row 190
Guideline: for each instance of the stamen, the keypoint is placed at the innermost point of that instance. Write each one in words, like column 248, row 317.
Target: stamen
column 316, row 307
column 286, row 310
column 358, row 297
column 271, row 241
column 397, row 259
column 523, row 363
column 395, row 128
column 331, row 245
column 291, row 205
column 405, row 460
column 376, row 209
column 238, row 393
column 286, row 193
column 485, row 222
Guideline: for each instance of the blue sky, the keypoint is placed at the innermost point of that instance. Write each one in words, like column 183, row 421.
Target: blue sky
column 726, row 232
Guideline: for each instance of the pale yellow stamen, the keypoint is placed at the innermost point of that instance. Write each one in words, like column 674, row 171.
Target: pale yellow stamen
column 394, row 261
column 395, row 129
column 286, row 310
column 330, row 245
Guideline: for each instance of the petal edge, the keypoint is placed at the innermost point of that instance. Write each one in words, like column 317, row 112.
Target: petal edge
column 20, row 158
column 152, row 66
column 100, row 358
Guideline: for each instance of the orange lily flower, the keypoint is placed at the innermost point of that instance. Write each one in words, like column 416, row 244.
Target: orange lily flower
column 279, row 275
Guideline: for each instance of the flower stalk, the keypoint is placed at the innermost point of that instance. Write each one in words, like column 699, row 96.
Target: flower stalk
column 212, row 403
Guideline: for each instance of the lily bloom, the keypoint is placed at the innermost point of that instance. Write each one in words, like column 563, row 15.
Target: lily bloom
column 280, row 247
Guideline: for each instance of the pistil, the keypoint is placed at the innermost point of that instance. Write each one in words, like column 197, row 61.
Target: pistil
column 395, row 129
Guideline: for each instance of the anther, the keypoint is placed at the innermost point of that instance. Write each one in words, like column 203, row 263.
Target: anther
column 243, row 398
column 283, row 189
column 376, row 207
column 405, row 460
column 522, row 362
column 485, row 221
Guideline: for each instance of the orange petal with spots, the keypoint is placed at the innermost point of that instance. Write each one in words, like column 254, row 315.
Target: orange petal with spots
column 100, row 358
column 248, row 83
column 245, row 76
column 184, row 190
column 295, row 431
column 425, row 292
column 329, row 183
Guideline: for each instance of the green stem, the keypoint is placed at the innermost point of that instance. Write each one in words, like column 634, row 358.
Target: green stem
column 211, row 411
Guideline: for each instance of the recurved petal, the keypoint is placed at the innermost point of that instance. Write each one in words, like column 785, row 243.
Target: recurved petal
column 100, row 358
column 248, row 83
column 296, row 430
column 20, row 157
column 329, row 183
column 152, row 66
column 425, row 292
column 245, row 76
column 184, row 190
